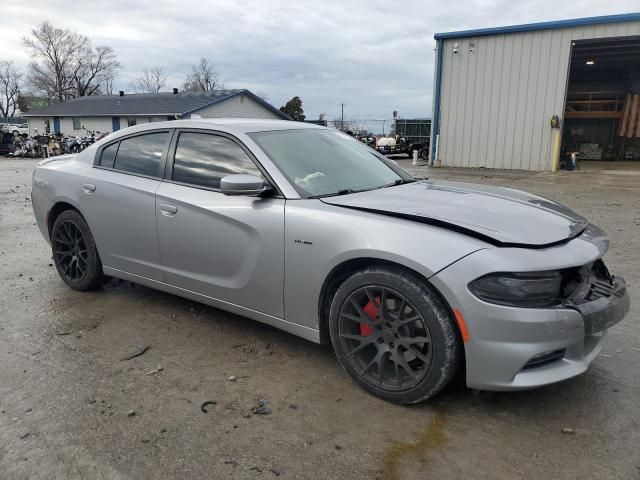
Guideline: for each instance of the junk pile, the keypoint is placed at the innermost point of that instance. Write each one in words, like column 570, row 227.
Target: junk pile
column 45, row 145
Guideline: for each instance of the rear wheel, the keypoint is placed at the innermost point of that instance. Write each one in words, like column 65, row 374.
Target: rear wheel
column 393, row 334
column 74, row 252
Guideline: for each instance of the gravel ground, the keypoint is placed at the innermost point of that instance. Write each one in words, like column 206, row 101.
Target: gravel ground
column 71, row 408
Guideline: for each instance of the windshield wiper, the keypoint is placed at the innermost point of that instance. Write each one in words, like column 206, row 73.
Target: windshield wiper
column 344, row 191
column 399, row 181
column 347, row 191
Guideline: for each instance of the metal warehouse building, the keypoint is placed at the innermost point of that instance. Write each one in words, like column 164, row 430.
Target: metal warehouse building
column 527, row 96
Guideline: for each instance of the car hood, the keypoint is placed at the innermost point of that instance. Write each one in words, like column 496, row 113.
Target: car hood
column 501, row 216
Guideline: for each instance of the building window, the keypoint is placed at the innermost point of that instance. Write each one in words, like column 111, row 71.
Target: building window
column 131, row 121
column 76, row 124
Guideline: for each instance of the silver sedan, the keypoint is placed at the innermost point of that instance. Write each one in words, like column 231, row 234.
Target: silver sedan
column 310, row 231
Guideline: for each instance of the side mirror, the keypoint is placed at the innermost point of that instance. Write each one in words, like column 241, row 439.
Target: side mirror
column 242, row 184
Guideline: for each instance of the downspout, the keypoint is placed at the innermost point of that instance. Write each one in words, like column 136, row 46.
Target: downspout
column 435, row 123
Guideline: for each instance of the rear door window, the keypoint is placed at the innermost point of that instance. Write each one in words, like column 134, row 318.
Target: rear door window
column 108, row 155
column 142, row 154
column 203, row 159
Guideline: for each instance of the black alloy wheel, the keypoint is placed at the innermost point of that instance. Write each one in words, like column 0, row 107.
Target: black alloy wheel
column 385, row 338
column 394, row 335
column 70, row 250
column 74, row 252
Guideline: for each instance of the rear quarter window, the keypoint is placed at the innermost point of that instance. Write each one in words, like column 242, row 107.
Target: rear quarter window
column 108, row 155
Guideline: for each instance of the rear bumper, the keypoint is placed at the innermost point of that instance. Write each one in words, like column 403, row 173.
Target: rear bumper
column 41, row 205
column 505, row 342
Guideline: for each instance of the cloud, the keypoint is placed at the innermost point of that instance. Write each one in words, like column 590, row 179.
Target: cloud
column 375, row 56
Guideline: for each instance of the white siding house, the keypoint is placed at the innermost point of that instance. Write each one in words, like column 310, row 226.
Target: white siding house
column 108, row 113
column 240, row 106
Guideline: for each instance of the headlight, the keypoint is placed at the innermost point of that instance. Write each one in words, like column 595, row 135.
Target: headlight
column 536, row 289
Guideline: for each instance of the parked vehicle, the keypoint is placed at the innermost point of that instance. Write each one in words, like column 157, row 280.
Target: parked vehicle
column 18, row 128
column 398, row 145
column 390, row 146
column 29, row 147
column 7, row 140
column 90, row 138
column 73, row 144
column 416, row 135
column 309, row 230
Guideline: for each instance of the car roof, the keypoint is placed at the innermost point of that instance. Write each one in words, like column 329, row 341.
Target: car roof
column 230, row 125
column 246, row 125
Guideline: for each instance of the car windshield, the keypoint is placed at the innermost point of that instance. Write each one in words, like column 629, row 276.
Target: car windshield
column 322, row 162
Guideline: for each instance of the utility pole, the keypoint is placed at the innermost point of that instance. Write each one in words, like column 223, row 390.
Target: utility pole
column 342, row 117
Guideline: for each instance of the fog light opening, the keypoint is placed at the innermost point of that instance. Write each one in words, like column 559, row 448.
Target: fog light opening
column 545, row 358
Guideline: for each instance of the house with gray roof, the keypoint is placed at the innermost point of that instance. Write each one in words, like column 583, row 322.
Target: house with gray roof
column 108, row 113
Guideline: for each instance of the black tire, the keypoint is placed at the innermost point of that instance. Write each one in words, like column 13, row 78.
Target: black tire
column 424, row 154
column 439, row 356
column 74, row 252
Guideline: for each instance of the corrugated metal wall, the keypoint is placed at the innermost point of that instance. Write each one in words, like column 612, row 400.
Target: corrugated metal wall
column 499, row 93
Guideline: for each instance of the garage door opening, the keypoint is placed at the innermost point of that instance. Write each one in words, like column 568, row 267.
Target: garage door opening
column 602, row 110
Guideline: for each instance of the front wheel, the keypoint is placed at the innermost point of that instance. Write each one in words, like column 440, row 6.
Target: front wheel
column 74, row 252
column 394, row 335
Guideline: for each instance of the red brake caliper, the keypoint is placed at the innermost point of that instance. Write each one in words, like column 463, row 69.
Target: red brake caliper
column 371, row 310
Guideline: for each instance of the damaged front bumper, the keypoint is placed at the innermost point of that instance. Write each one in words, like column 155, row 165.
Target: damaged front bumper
column 515, row 348
column 605, row 312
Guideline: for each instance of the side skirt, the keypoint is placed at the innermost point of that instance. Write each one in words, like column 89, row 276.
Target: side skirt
column 298, row 330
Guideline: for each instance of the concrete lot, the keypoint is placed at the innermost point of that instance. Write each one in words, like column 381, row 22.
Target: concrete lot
column 65, row 395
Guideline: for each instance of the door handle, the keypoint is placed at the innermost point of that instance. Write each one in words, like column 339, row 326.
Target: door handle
column 88, row 187
column 168, row 210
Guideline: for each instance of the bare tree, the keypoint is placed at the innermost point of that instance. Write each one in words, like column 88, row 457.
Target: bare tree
column 54, row 51
column 66, row 65
column 109, row 89
column 150, row 81
column 10, row 80
column 262, row 95
column 94, row 68
column 203, row 77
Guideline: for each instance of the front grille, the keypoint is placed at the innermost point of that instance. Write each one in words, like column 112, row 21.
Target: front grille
column 600, row 288
column 543, row 359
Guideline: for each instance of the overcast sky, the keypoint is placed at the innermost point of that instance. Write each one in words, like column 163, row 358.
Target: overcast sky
column 375, row 56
